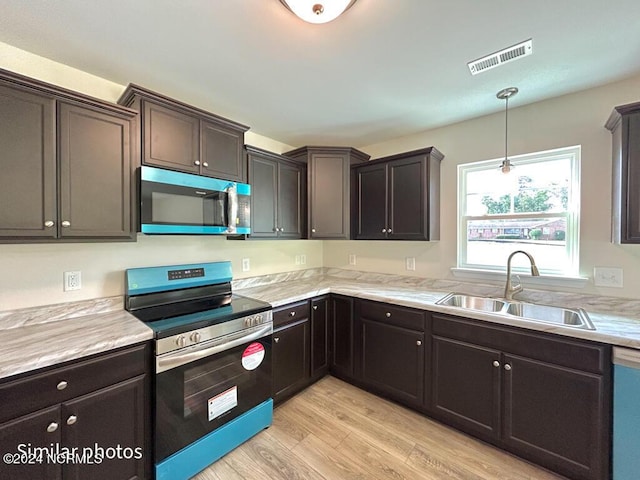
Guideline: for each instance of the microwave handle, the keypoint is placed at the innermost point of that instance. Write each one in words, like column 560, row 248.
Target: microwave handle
column 232, row 212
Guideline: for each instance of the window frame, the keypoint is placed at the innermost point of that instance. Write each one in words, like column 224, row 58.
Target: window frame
column 572, row 213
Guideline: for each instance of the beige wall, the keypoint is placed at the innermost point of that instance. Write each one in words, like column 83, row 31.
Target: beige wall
column 32, row 274
column 575, row 119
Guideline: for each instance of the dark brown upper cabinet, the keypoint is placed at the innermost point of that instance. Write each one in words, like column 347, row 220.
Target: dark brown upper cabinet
column 328, row 179
column 185, row 138
column 624, row 124
column 398, row 197
column 67, row 163
column 278, row 195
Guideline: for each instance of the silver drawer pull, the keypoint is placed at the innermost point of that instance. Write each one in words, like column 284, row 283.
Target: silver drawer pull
column 313, row 230
column 72, row 419
column 205, row 164
column 49, row 223
column 384, row 230
column 507, row 367
column 292, row 314
column 62, row 385
column 315, row 307
column 496, row 363
column 419, row 342
column 197, row 162
column 388, row 314
column 52, row 427
column 66, row 224
column 276, row 339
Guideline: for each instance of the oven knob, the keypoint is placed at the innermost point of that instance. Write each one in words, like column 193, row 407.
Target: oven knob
column 195, row 337
column 181, row 341
column 247, row 322
column 259, row 318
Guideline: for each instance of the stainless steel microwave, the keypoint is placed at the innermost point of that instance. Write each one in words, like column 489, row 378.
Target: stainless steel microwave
column 181, row 203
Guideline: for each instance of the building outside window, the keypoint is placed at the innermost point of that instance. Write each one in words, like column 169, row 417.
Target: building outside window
column 535, row 208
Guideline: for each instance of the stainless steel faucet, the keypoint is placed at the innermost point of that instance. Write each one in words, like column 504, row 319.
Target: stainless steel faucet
column 509, row 290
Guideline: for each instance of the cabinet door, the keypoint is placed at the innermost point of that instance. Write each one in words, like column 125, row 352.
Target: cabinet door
column 341, row 334
column 630, row 217
column 171, row 139
column 291, row 193
column 95, row 174
column 466, row 386
column 290, row 358
column 28, row 164
column 371, row 202
column 329, row 196
column 263, row 176
column 556, row 417
column 222, row 152
column 20, row 440
column 407, row 189
column 393, row 360
column 109, row 418
column 319, row 336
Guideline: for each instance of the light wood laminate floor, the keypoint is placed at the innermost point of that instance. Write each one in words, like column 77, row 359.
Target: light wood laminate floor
column 334, row 431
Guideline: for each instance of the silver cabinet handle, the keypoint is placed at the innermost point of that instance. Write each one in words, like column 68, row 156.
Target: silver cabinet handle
column 315, row 307
column 388, row 230
column 72, row 419
column 496, row 363
column 419, row 342
column 384, row 230
column 276, row 339
column 66, row 224
column 62, row 385
column 52, row 427
column 313, row 230
column 205, row 164
column 507, row 367
column 388, row 314
column 197, row 162
column 49, row 223
column 292, row 313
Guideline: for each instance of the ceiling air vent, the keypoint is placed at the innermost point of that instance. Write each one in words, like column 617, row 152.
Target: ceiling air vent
column 503, row 56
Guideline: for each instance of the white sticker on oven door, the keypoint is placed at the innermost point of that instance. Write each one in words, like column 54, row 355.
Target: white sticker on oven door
column 252, row 356
column 223, row 402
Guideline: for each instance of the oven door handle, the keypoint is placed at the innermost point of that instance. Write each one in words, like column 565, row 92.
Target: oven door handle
column 182, row 357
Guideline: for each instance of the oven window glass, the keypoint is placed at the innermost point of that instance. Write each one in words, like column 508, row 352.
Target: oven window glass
column 172, row 208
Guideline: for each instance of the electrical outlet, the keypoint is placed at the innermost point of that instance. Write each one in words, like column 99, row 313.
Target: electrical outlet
column 608, row 277
column 303, row 259
column 72, row 281
column 410, row 263
column 246, row 265
column 352, row 259
column 298, row 260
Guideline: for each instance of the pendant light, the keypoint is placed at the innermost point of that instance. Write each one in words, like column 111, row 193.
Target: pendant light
column 505, row 94
column 318, row 11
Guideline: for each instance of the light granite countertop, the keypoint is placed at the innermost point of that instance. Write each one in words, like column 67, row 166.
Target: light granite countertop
column 38, row 337
column 611, row 328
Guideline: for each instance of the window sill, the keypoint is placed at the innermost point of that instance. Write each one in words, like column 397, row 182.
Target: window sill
column 542, row 280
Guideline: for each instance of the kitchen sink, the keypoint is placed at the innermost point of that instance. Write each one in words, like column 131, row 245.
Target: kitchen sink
column 484, row 304
column 567, row 317
column 570, row 317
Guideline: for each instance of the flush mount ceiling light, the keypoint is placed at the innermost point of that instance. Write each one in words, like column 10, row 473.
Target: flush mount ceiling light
column 505, row 94
column 318, row 11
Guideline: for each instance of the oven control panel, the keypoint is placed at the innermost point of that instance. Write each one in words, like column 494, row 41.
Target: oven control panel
column 188, row 339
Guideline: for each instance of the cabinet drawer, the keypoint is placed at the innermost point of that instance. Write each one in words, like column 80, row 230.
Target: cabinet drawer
column 290, row 313
column 392, row 314
column 41, row 390
column 572, row 353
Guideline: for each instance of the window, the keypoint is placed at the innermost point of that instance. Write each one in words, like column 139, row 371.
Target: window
column 534, row 208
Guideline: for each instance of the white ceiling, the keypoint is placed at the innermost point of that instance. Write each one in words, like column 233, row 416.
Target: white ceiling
column 384, row 69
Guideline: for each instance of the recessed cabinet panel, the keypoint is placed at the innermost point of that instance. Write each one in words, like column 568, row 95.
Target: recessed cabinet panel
column 319, row 336
column 263, row 177
column 28, row 164
column 290, row 358
column 222, row 152
column 465, row 387
column 95, row 174
column 371, row 192
column 171, row 138
column 328, row 217
column 407, row 181
column 342, row 336
column 556, row 414
column 290, row 205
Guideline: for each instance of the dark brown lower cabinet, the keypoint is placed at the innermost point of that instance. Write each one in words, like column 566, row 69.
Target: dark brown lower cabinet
column 391, row 350
column 86, row 417
column 465, row 386
column 543, row 397
column 319, row 337
column 290, row 359
column 341, row 345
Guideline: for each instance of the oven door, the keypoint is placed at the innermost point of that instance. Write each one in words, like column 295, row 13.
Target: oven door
column 207, row 385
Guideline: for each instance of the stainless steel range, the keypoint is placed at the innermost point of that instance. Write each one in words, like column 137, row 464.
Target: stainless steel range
column 212, row 363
